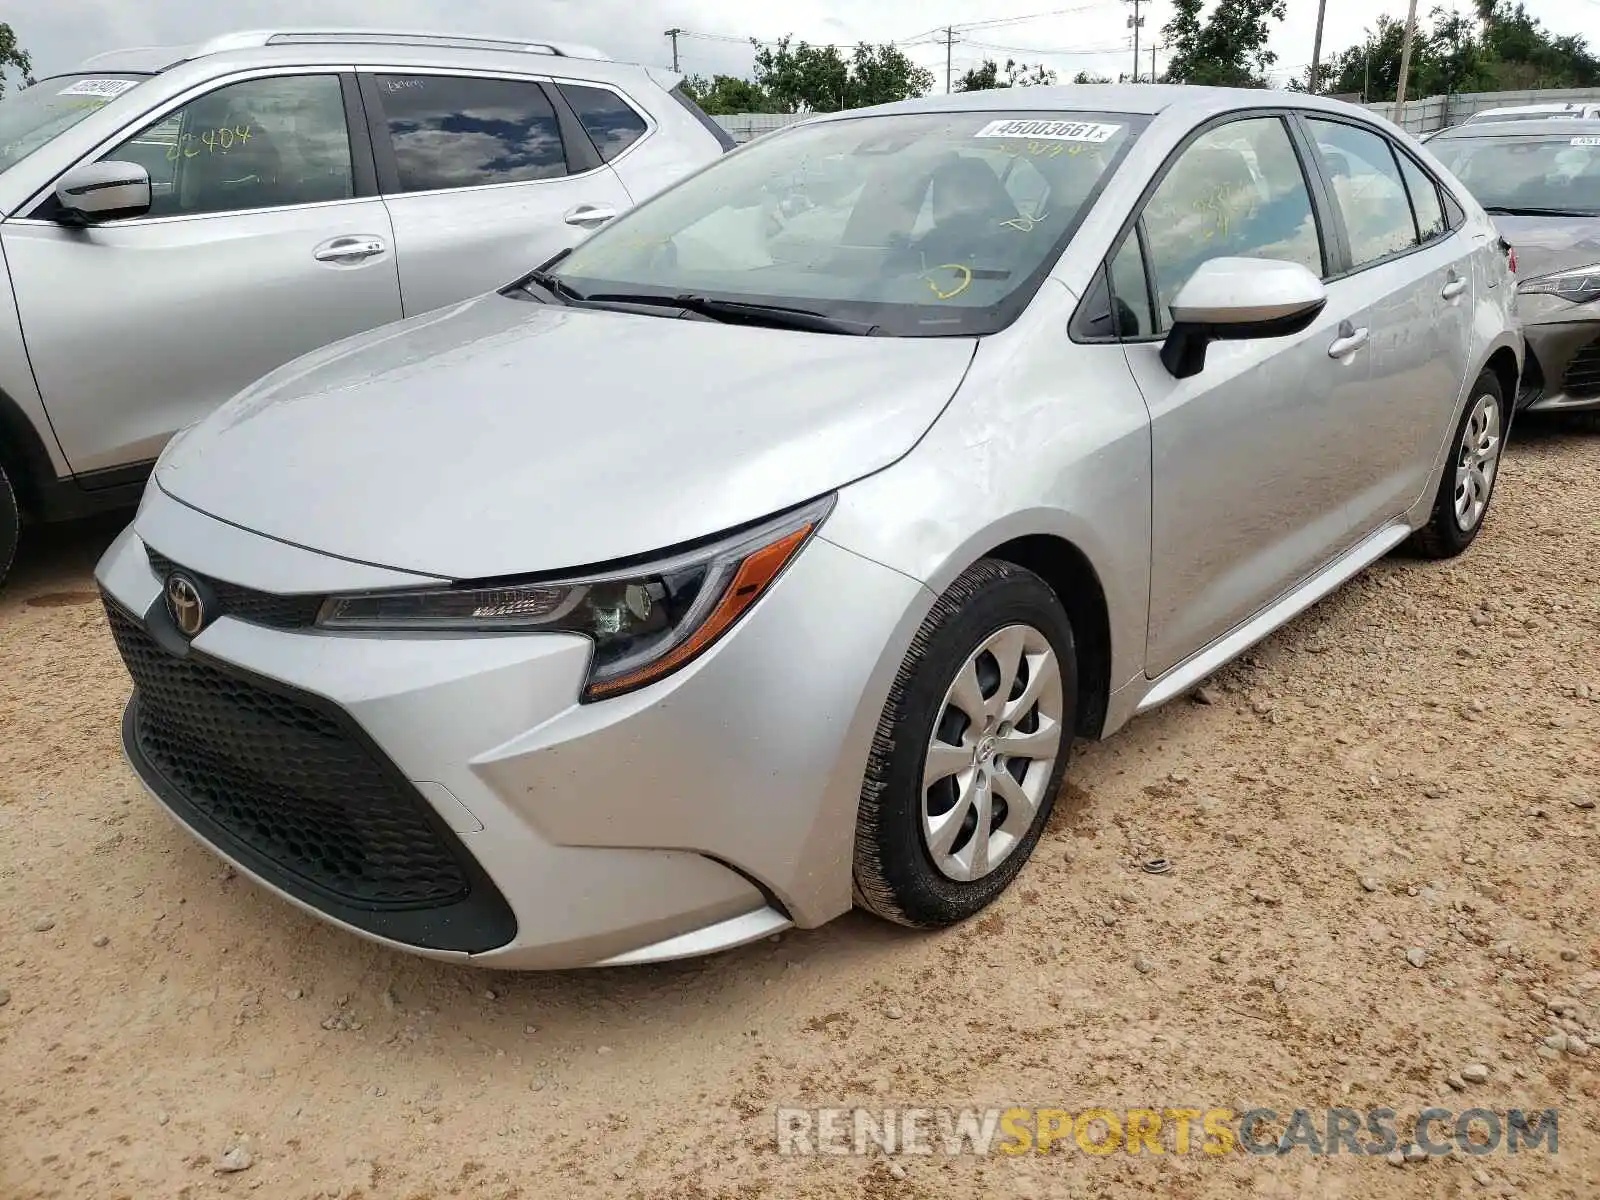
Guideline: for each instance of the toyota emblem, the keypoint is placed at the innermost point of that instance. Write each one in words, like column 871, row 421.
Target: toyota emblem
column 185, row 605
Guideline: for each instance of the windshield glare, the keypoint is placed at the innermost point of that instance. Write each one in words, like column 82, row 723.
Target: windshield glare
column 927, row 224
column 31, row 117
column 1547, row 171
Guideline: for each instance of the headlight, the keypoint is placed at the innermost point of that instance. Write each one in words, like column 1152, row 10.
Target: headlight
column 1579, row 285
column 645, row 621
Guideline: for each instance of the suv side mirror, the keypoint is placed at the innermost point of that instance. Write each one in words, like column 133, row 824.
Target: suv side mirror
column 103, row 191
column 1238, row 299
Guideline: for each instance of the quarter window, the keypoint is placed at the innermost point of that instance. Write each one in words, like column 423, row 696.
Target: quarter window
column 263, row 143
column 610, row 121
column 1424, row 200
column 1368, row 190
column 457, row 131
column 1237, row 190
column 1130, row 293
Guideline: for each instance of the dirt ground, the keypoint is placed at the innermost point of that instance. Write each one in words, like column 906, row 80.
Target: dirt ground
column 1431, row 733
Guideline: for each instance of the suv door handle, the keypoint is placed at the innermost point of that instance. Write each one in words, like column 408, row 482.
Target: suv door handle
column 1349, row 341
column 1454, row 288
column 589, row 216
column 348, row 249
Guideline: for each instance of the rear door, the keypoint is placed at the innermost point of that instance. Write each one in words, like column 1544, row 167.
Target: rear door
column 485, row 177
column 265, row 240
column 1416, row 282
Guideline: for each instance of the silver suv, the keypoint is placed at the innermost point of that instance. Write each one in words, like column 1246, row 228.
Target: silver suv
column 175, row 223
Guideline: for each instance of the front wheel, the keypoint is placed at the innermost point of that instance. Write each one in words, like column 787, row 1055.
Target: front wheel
column 10, row 524
column 1462, row 502
column 970, row 749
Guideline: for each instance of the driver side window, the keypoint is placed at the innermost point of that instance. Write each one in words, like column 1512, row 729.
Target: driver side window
column 1236, row 190
column 262, row 143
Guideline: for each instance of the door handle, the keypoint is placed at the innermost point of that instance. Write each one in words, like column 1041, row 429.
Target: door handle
column 589, row 216
column 1454, row 288
column 1349, row 341
column 348, row 249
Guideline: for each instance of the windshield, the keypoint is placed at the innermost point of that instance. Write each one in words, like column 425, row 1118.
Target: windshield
column 1544, row 171
column 921, row 225
column 31, row 117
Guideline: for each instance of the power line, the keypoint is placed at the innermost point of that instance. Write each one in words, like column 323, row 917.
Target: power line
column 1057, row 52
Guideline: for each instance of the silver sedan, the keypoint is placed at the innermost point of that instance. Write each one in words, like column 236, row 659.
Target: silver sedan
column 765, row 554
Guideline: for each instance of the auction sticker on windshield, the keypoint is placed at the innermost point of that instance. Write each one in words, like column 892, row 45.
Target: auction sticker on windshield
column 109, row 89
column 1061, row 131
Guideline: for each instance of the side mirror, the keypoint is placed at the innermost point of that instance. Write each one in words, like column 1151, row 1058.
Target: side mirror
column 1238, row 299
column 103, row 191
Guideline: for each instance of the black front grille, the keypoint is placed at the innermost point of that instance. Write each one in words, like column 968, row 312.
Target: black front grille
column 247, row 604
column 1583, row 372
column 293, row 789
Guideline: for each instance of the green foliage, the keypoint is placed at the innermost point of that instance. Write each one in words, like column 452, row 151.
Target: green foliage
column 1501, row 48
column 13, row 56
column 725, row 94
column 987, row 76
column 800, row 77
column 1089, row 77
column 1228, row 48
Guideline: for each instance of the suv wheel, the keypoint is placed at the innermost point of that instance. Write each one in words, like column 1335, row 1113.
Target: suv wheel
column 970, row 750
column 10, row 524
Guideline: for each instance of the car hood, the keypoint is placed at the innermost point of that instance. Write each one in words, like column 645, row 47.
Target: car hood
column 1548, row 244
column 502, row 436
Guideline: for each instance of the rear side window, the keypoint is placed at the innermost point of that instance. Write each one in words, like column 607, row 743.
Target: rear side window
column 1424, row 200
column 610, row 121
column 724, row 138
column 455, row 131
column 1368, row 190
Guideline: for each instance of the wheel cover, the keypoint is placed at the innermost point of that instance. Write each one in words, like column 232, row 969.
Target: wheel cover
column 1477, row 461
column 995, row 741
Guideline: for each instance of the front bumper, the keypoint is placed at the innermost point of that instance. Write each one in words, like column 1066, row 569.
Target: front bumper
column 705, row 811
column 1562, row 373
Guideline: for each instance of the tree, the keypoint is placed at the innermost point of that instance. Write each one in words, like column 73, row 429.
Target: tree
column 983, row 78
column 12, row 55
column 806, row 78
column 1500, row 50
column 1229, row 48
column 1089, row 77
column 725, row 94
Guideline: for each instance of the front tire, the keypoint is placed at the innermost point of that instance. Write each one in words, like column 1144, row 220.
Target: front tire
column 10, row 525
column 970, row 750
column 1462, row 502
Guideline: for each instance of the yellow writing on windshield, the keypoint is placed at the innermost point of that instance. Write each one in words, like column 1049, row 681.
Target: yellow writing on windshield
column 209, row 141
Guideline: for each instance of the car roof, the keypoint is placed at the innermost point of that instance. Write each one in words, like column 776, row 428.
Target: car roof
column 423, row 44
column 1134, row 99
column 1551, row 127
column 1568, row 106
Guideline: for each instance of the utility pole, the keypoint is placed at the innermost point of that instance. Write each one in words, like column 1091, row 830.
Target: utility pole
column 673, row 34
column 1405, row 64
column 1316, row 45
column 949, row 48
column 1153, row 49
column 1135, row 22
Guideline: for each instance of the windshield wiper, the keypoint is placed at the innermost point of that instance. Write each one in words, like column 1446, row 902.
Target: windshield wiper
column 1518, row 211
column 776, row 316
column 557, row 287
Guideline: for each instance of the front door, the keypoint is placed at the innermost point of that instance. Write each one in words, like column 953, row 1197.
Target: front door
column 257, row 249
column 1247, row 457
column 483, row 179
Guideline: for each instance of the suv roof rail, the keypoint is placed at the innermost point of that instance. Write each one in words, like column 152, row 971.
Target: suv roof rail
column 254, row 39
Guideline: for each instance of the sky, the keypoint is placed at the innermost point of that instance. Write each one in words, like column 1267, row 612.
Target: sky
column 1066, row 35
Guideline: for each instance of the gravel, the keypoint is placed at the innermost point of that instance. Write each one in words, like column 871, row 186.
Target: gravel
column 1367, row 686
